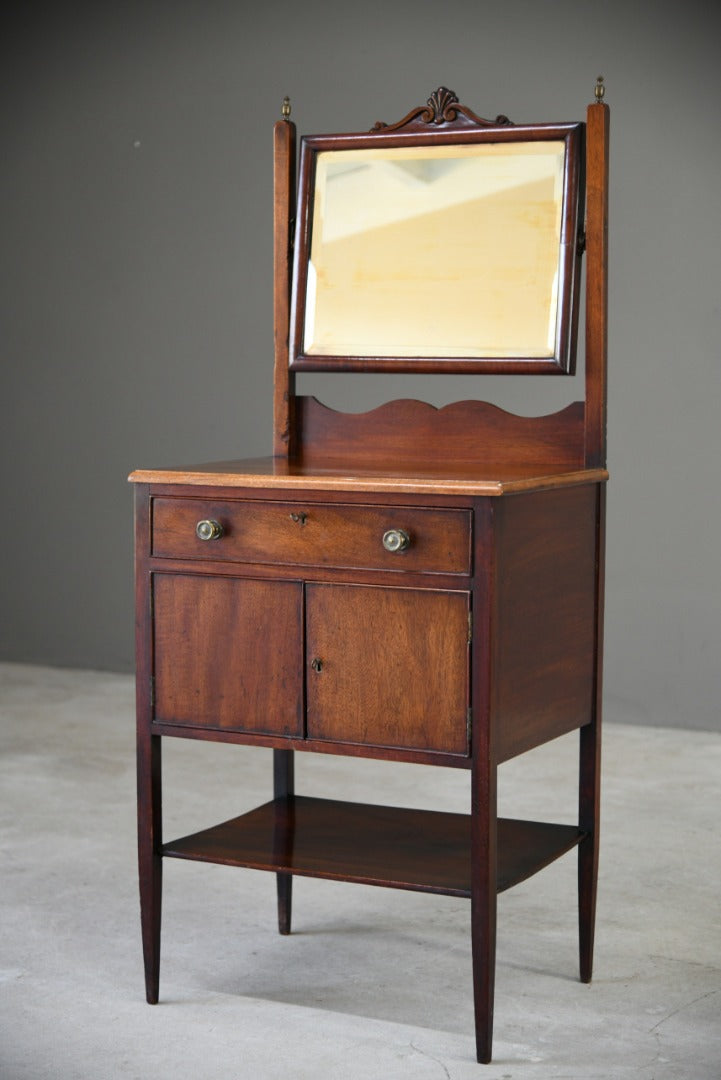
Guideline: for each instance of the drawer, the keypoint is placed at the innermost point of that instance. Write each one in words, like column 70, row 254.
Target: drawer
column 314, row 534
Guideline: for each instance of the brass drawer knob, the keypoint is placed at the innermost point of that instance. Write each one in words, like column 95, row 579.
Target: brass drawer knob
column 209, row 529
column 396, row 540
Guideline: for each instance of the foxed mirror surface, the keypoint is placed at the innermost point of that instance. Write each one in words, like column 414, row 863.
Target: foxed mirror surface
column 441, row 252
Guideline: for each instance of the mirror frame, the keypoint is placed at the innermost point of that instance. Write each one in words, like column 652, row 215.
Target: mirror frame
column 443, row 121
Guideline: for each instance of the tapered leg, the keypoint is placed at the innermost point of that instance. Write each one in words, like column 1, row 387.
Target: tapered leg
column 150, row 861
column 590, row 754
column 283, row 786
column 589, row 785
column 483, row 904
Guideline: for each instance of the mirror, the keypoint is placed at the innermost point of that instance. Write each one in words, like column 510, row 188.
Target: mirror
column 460, row 254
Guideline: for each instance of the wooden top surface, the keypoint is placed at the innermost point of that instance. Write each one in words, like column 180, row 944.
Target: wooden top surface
column 280, row 474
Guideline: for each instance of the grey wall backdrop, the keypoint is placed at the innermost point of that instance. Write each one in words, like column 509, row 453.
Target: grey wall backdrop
column 135, row 194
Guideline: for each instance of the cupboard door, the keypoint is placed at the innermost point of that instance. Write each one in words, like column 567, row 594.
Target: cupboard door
column 228, row 653
column 388, row 667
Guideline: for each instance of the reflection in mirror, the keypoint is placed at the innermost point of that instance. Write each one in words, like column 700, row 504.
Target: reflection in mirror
column 436, row 251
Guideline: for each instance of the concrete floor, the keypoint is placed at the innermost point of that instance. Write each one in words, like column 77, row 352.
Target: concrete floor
column 373, row 983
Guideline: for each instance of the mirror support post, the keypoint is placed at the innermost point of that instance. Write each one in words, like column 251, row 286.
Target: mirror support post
column 283, row 215
column 597, row 131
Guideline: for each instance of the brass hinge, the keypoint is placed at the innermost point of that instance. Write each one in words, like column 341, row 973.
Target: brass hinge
column 581, row 243
column 470, row 627
column 469, row 725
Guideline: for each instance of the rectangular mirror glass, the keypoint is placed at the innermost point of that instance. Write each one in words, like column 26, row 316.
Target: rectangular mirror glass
column 438, row 252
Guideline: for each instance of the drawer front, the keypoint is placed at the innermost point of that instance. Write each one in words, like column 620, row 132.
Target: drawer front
column 314, row 534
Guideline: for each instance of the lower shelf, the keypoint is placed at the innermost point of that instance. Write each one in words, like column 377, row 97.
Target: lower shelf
column 424, row 850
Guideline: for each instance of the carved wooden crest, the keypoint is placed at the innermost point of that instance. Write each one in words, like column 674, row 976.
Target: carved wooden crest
column 442, row 107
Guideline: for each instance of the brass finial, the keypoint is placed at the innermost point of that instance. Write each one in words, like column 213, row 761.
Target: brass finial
column 599, row 89
column 285, row 108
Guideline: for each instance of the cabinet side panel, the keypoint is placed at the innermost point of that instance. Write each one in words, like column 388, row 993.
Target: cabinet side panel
column 143, row 629
column 545, row 616
column 228, row 653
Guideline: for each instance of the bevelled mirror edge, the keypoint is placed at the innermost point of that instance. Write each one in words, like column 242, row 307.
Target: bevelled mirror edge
column 491, row 142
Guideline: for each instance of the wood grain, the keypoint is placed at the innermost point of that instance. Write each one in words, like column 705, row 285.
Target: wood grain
column 148, row 758
column 283, row 788
column 228, row 653
column 301, row 533
column 589, row 782
column 545, row 617
column 413, row 434
column 264, row 475
column 596, row 283
column 395, row 666
column 283, row 214
column 423, row 850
